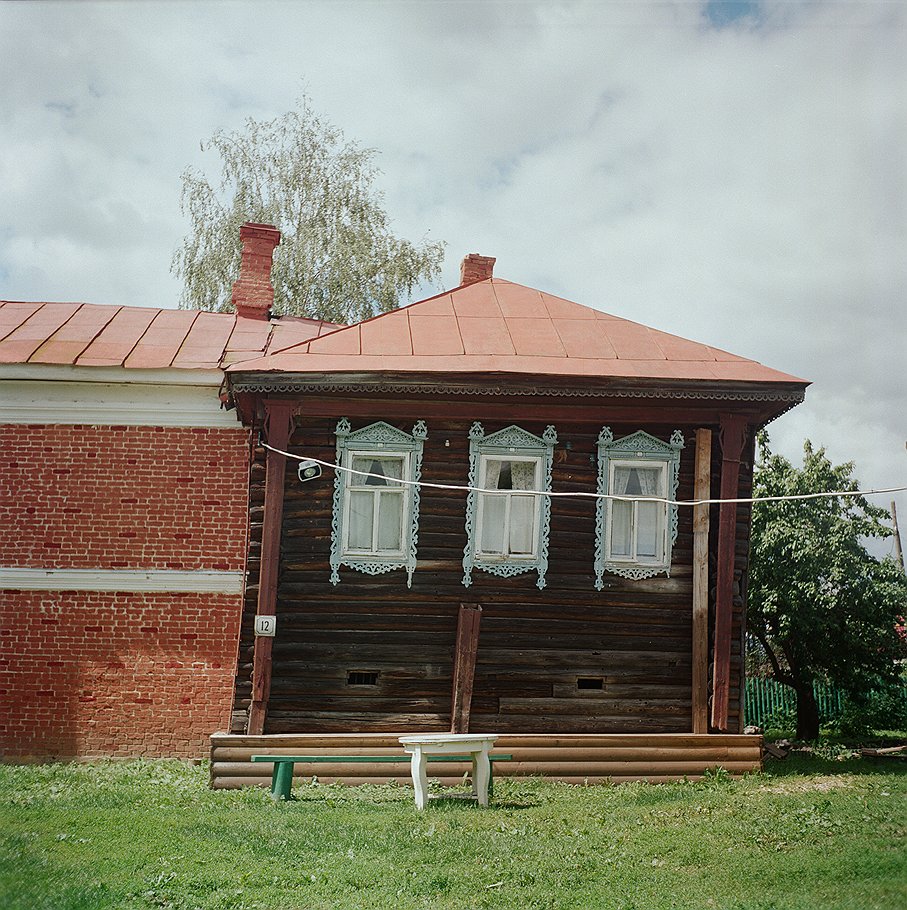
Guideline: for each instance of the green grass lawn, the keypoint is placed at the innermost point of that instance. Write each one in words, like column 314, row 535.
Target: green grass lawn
column 810, row 832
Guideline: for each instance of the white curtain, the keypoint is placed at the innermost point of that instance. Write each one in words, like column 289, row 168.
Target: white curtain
column 648, row 481
column 494, row 507
column 636, row 481
column 621, row 514
column 520, row 540
column 361, row 520
column 492, row 474
column 523, row 474
column 522, row 523
column 390, row 520
column 647, row 522
column 648, row 514
column 493, row 510
column 371, row 494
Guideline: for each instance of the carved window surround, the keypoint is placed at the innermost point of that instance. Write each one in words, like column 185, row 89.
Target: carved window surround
column 518, row 444
column 647, row 451
column 377, row 439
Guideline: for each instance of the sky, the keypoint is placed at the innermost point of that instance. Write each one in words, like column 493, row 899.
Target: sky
column 734, row 173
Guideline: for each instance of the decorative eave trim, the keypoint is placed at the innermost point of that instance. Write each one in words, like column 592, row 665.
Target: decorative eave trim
column 791, row 395
column 127, row 580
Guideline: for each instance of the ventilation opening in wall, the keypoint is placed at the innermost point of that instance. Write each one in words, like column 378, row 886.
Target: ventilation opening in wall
column 590, row 682
column 362, row 678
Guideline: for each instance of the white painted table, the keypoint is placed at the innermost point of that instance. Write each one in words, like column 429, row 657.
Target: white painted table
column 476, row 745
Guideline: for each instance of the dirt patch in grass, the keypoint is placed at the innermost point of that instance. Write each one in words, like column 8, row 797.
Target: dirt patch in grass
column 821, row 784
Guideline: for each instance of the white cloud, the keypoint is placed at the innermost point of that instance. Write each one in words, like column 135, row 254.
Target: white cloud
column 744, row 186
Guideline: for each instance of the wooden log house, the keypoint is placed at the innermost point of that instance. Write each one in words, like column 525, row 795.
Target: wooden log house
column 425, row 586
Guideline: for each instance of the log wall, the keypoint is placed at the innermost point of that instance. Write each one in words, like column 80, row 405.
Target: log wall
column 533, row 646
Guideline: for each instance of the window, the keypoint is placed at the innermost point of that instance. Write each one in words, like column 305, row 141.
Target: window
column 376, row 506
column 506, row 523
column 634, row 536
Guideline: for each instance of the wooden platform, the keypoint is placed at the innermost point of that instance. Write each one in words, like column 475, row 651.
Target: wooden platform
column 575, row 758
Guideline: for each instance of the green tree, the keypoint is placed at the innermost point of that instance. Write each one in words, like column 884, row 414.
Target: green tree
column 820, row 604
column 337, row 259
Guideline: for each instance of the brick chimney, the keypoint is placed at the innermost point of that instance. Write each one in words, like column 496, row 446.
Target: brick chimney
column 476, row 268
column 253, row 295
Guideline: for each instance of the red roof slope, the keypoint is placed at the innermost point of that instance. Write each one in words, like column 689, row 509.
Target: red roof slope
column 500, row 327
column 84, row 334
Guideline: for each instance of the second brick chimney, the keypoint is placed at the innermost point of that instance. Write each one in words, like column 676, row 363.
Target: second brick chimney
column 253, row 294
column 476, row 268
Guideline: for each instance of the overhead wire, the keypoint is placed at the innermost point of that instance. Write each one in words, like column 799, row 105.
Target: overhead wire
column 588, row 495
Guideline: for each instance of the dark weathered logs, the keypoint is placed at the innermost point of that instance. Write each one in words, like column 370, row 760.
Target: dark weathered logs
column 534, row 645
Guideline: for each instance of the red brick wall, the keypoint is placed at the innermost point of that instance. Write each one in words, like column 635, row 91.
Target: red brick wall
column 89, row 674
column 97, row 674
column 123, row 497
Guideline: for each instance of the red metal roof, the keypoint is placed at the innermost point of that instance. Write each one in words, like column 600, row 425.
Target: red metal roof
column 500, row 327
column 85, row 334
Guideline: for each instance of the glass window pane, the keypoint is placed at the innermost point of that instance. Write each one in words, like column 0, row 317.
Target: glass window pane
column 386, row 469
column 621, row 521
column 522, row 523
column 492, row 532
column 390, row 521
column 492, row 475
column 647, row 530
column 621, row 481
column 362, row 511
column 649, row 481
column 523, row 473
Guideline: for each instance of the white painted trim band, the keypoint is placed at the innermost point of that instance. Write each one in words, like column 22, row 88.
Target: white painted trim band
column 132, row 580
column 29, row 401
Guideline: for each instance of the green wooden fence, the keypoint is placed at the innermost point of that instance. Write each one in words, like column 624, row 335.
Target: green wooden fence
column 765, row 697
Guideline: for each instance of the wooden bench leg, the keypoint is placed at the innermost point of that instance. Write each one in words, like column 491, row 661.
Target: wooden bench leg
column 282, row 780
column 420, row 777
column 482, row 771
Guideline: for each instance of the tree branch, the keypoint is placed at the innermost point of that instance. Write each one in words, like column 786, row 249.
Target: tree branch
column 777, row 672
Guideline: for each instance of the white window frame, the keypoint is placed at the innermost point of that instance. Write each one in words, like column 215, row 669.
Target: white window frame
column 658, row 561
column 354, row 483
column 507, row 496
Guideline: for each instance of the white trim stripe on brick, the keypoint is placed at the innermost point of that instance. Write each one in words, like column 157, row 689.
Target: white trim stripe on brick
column 132, row 580
column 133, row 404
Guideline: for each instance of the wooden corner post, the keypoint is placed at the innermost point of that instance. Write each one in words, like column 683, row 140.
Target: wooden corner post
column 702, row 485
column 278, row 421
column 733, row 436
column 464, row 668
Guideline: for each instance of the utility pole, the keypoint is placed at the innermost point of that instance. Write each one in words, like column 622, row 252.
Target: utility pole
column 898, row 552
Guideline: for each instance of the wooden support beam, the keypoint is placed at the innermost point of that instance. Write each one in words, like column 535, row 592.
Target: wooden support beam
column 732, row 435
column 701, row 488
column 279, row 418
column 464, row 669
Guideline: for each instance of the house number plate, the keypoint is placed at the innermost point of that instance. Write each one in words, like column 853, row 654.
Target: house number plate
column 265, row 626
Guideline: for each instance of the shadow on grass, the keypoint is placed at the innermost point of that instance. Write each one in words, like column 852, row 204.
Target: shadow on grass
column 809, row 763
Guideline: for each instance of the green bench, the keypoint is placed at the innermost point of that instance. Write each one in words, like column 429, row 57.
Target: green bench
column 282, row 776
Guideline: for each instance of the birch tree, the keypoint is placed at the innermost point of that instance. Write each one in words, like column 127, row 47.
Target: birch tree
column 338, row 258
